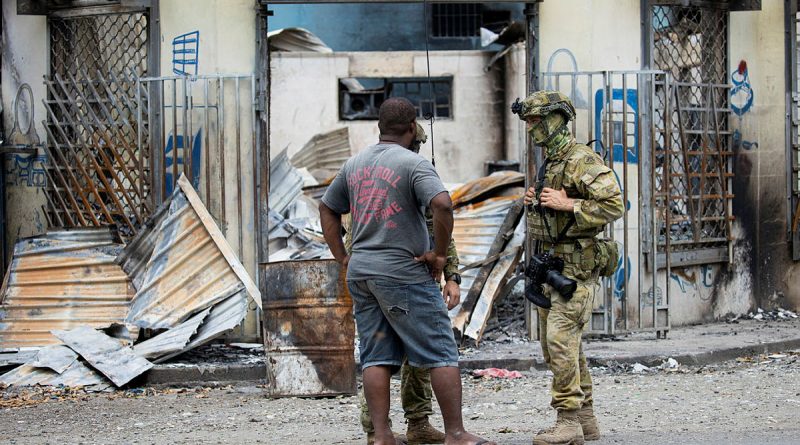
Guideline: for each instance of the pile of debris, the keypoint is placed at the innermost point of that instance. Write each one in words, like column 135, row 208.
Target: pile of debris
column 488, row 227
column 778, row 314
column 80, row 309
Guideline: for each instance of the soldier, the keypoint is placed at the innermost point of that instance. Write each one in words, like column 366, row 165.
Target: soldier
column 415, row 383
column 570, row 205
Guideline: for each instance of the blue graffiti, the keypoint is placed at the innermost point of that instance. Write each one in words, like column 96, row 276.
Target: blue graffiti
column 738, row 141
column 185, row 52
column 26, row 170
column 708, row 275
column 620, row 276
column 742, row 91
column 177, row 156
column 618, row 132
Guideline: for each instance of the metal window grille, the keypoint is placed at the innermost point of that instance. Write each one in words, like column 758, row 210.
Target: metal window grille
column 691, row 186
column 360, row 98
column 794, row 136
column 456, row 20
column 418, row 91
column 97, row 175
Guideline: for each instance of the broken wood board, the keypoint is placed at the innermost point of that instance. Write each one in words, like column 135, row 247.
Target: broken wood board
column 502, row 238
column 494, row 285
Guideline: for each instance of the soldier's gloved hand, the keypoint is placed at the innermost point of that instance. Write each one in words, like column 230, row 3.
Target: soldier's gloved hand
column 435, row 264
column 556, row 200
column 451, row 294
column 529, row 196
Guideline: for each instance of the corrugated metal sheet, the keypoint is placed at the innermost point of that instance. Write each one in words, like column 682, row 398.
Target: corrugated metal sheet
column 57, row 357
column 285, row 183
column 17, row 356
column 189, row 265
column 173, row 340
column 296, row 39
column 62, row 280
column 324, row 154
column 223, row 317
column 486, row 185
column 27, row 375
column 474, row 232
column 117, row 362
column 289, row 242
column 77, row 375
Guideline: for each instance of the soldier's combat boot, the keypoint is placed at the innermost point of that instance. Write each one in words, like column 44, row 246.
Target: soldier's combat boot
column 567, row 431
column 591, row 431
column 421, row 431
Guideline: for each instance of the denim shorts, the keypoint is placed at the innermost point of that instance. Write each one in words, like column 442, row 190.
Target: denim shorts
column 397, row 321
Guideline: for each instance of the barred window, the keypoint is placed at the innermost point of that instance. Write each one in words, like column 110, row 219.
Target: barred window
column 692, row 181
column 456, row 20
column 360, row 98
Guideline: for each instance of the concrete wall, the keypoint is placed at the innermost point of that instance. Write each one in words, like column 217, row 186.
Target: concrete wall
column 760, row 184
column 305, row 101
column 24, row 60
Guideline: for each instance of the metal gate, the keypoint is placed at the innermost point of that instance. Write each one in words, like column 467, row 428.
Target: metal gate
column 667, row 153
column 203, row 127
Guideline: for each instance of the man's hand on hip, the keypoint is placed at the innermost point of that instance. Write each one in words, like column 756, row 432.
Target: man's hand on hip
column 451, row 294
column 435, row 263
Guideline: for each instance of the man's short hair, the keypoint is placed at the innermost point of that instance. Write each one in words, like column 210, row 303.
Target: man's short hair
column 394, row 116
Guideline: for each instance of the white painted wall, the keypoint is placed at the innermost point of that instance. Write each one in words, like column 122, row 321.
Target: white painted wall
column 24, row 60
column 305, row 101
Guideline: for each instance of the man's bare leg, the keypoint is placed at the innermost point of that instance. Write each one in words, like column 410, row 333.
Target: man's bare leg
column 376, row 391
column 446, row 382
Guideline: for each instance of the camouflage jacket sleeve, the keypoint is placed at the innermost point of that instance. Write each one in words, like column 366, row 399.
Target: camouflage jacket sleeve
column 347, row 225
column 451, row 266
column 600, row 200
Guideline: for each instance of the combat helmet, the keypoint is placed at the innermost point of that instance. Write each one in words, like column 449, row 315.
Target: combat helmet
column 543, row 102
column 421, row 136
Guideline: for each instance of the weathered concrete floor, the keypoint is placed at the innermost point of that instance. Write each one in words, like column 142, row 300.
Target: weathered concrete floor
column 739, row 402
column 701, row 344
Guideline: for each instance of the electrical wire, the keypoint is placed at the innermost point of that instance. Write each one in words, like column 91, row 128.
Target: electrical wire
column 432, row 97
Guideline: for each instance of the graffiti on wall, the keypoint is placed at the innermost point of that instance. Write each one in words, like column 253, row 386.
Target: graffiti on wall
column 624, row 123
column 742, row 91
column 185, row 52
column 175, row 154
column 26, row 170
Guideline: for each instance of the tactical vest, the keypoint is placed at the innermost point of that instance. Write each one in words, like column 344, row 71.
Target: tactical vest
column 577, row 246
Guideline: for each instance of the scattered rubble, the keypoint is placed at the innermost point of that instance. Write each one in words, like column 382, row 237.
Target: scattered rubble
column 777, row 314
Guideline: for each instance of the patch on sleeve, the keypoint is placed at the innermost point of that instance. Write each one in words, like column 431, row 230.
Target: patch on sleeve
column 590, row 173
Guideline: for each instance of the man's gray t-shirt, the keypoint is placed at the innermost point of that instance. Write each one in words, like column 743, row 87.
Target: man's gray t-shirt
column 385, row 188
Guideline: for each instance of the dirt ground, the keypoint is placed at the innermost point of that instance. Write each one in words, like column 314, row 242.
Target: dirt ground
column 747, row 401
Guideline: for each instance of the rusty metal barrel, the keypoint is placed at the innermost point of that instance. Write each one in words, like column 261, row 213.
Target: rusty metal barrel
column 308, row 329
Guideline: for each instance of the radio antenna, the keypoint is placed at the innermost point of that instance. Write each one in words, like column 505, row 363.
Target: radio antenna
column 430, row 115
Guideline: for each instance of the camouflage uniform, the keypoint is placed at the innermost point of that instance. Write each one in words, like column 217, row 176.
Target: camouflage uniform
column 416, row 392
column 581, row 173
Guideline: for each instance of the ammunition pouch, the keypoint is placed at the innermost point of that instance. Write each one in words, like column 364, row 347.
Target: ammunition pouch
column 606, row 256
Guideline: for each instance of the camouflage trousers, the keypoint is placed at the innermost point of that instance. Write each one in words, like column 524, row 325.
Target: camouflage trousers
column 416, row 395
column 560, row 330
